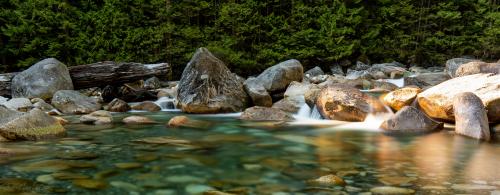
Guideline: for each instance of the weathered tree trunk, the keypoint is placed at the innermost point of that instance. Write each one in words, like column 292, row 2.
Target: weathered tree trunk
column 102, row 73
column 5, row 81
column 112, row 73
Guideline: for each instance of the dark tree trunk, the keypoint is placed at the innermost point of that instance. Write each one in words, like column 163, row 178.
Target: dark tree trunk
column 103, row 73
column 115, row 73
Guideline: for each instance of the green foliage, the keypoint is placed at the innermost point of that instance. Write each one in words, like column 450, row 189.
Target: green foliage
column 249, row 35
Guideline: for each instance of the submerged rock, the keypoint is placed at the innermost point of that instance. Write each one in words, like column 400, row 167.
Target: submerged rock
column 42, row 80
column 147, row 106
column 328, row 180
column 258, row 113
column 178, row 121
column 207, row 86
column 341, row 102
column 470, row 117
column 410, row 120
column 437, row 102
column 34, row 125
column 118, row 105
column 389, row 190
column 138, row 120
column 90, row 184
column 277, row 77
column 477, row 67
column 97, row 118
column 452, row 65
column 73, row 102
column 257, row 92
column 399, row 98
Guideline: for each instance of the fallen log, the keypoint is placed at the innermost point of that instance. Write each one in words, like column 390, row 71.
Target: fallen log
column 5, row 81
column 114, row 73
column 102, row 73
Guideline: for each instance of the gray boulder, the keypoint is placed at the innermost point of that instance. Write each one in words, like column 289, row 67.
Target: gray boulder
column 73, row 102
column 453, row 64
column 42, row 105
column 207, row 86
column 316, row 71
column 258, row 113
column 152, row 83
column 277, row 77
column 257, row 92
column 476, row 68
column 336, row 70
column 410, row 120
column 361, row 66
column 19, row 104
column 34, row 125
column 42, row 80
column 470, row 116
column 426, row 80
column 358, row 74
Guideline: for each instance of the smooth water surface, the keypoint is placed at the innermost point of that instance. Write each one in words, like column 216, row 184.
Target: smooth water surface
column 229, row 155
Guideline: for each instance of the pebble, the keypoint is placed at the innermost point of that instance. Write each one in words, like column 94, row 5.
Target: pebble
column 125, row 185
column 90, row 184
column 352, row 189
column 46, row 179
column 185, row 179
column 197, row 188
column 328, row 180
column 385, row 190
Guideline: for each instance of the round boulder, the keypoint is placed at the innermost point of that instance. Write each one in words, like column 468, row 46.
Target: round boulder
column 147, row 106
column 277, row 77
column 410, row 120
column 42, row 80
column 257, row 92
column 399, row 98
column 97, row 118
column 73, row 102
column 118, row 105
column 470, row 117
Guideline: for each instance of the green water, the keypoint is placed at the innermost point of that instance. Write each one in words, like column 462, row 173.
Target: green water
column 245, row 158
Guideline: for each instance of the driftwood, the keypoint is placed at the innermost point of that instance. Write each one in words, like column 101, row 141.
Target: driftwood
column 102, row 73
column 114, row 73
column 5, row 81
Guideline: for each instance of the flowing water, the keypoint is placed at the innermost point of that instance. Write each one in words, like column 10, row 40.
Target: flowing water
column 224, row 153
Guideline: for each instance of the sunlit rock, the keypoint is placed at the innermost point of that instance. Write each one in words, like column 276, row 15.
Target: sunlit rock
column 399, row 98
column 470, row 116
column 410, row 120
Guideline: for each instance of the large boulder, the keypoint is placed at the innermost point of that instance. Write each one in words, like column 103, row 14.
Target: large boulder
column 476, row 68
column 437, row 102
column 207, row 86
column 452, row 65
column 399, row 98
column 410, row 120
column 345, row 103
column 258, row 113
column 470, row 117
column 426, row 80
column 257, row 92
column 34, row 125
column 42, row 80
column 277, row 77
column 73, row 102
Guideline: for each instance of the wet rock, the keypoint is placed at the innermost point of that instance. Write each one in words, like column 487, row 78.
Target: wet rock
column 34, row 125
column 42, row 80
column 316, row 71
column 452, row 65
column 426, row 80
column 341, row 102
column 178, row 121
column 73, row 102
column 291, row 105
column 49, row 166
column 257, row 92
column 61, row 120
column 470, row 116
column 147, row 106
column 410, row 120
column 277, row 77
column 184, row 179
column 437, row 102
column 46, row 179
column 118, row 105
column 97, row 118
column 399, row 98
column 476, row 68
column 19, row 104
column 389, row 190
column 396, row 180
column 152, row 83
column 77, row 155
column 258, row 113
column 138, row 120
column 328, row 180
column 90, row 184
column 109, row 93
column 207, row 86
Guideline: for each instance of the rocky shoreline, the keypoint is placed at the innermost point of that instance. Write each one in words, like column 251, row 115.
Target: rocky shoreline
column 465, row 92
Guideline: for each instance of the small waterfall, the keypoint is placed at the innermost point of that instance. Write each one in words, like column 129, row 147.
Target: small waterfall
column 304, row 111
column 315, row 114
column 166, row 104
